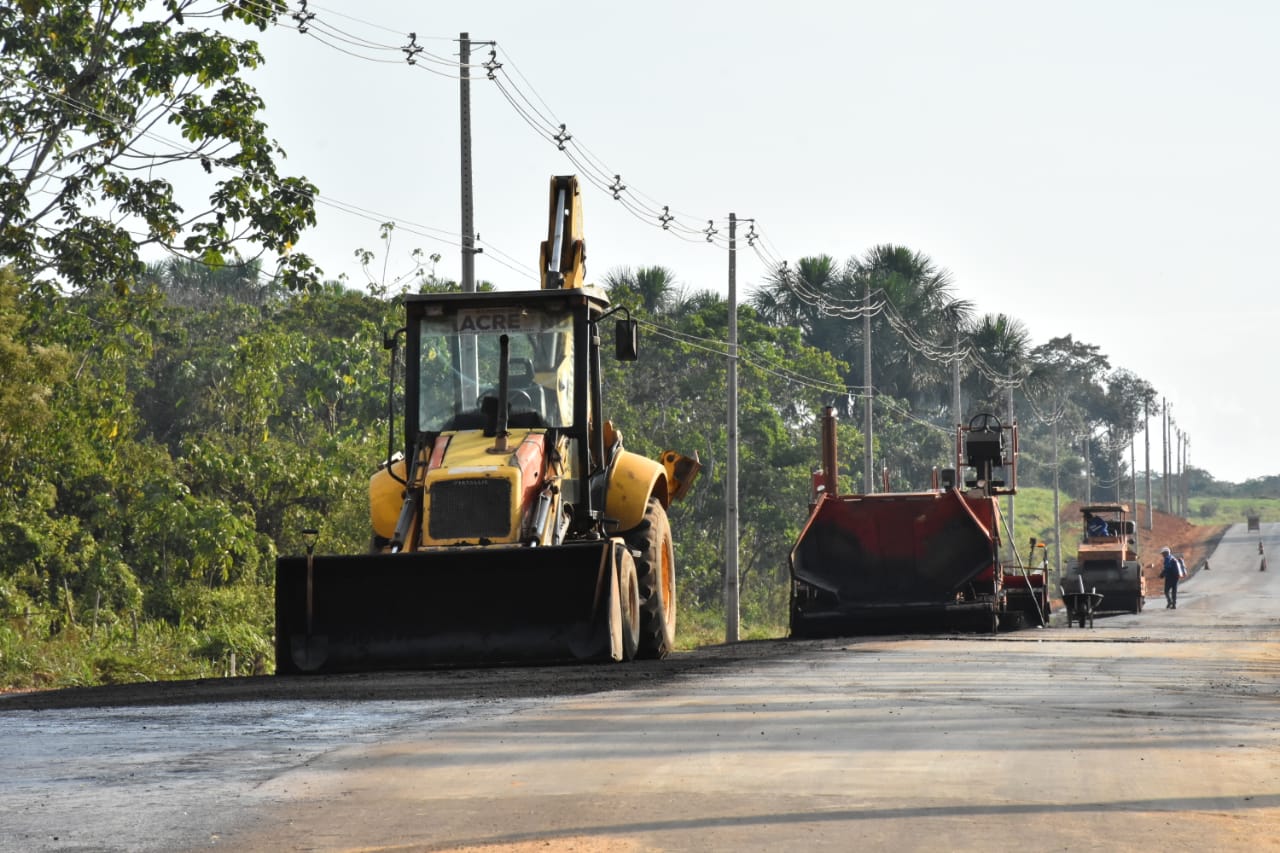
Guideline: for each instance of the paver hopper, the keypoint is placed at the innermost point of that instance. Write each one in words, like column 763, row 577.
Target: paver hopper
column 912, row 561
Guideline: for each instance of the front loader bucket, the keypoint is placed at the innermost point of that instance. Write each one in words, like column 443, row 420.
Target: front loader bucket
column 893, row 561
column 456, row 606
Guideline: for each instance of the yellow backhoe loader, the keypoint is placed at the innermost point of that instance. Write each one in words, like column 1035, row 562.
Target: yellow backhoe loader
column 512, row 526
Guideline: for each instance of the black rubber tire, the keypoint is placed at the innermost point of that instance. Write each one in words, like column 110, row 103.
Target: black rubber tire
column 1084, row 616
column 650, row 543
column 629, row 603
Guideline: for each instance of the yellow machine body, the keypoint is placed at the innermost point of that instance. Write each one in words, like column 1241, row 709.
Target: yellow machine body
column 513, row 526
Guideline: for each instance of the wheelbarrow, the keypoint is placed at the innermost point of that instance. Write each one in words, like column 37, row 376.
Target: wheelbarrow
column 1081, row 606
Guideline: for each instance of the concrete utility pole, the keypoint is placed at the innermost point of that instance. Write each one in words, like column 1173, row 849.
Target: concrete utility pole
column 1182, row 503
column 1182, row 479
column 469, row 352
column 956, row 416
column 1133, row 475
column 1146, row 440
column 731, row 610
column 1164, row 453
column 1013, row 546
column 868, row 476
column 1057, row 513
column 1088, row 474
column 1115, row 464
column 468, row 223
column 1176, row 438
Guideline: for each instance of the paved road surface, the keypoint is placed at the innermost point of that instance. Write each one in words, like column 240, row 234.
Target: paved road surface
column 1151, row 731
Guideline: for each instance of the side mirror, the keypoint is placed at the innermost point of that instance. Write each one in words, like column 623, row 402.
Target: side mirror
column 626, row 340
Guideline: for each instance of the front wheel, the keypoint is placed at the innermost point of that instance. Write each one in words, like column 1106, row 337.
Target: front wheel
column 629, row 605
column 650, row 542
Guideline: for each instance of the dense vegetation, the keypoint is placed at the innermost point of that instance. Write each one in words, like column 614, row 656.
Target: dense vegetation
column 159, row 447
column 166, row 431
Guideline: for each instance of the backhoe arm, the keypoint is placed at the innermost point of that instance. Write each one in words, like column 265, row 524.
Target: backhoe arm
column 563, row 258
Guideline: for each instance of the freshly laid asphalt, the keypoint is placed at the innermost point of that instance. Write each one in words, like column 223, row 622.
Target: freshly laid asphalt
column 1152, row 731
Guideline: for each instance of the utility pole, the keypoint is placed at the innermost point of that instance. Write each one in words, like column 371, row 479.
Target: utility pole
column 1182, row 506
column 868, row 478
column 468, row 223
column 1088, row 475
column 469, row 355
column 1057, row 513
column 1115, row 463
column 731, row 610
column 1013, row 545
column 1182, row 479
column 1164, row 453
column 1146, row 440
column 1133, row 475
column 956, row 417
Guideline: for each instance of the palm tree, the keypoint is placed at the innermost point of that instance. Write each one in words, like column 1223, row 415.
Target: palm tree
column 192, row 283
column 1001, row 355
column 818, row 298
column 652, row 289
column 919, row 309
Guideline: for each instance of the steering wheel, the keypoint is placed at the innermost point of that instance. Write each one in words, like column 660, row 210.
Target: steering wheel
column 985, row 422
column 518, row 400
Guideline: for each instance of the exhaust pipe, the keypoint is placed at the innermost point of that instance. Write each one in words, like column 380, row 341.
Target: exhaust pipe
column 830, row 473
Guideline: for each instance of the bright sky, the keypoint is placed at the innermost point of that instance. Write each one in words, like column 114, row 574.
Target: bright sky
column 1101, row 169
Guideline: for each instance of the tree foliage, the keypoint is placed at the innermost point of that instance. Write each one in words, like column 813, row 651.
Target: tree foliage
column 674, row 397
column 160, row 446
column 107, row 104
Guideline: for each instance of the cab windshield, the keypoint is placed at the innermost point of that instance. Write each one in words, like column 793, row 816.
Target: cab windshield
column 461, row 358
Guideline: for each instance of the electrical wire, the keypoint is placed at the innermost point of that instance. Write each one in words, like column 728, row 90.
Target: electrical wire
column 538, row 116
column 641, row 206
column 181, row 150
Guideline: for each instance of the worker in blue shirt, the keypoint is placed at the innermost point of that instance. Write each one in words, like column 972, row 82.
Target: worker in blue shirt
column 1096, row 526
column 1170, row 574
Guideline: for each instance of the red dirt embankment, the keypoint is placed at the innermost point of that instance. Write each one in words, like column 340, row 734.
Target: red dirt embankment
column 1193, row 542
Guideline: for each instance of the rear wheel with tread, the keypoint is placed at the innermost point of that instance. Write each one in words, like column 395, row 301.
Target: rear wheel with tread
column 629, row 604
column 650, row 543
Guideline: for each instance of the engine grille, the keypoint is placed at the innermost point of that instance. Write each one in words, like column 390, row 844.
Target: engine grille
column 470, row 509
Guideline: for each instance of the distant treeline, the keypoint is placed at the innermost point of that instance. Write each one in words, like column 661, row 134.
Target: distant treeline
column 160, row 445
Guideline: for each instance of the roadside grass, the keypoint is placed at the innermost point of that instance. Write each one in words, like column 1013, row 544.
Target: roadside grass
column 39, row 651
column 1210, row 510
column 697, row 628
column 1033, row 516
column 32, row 657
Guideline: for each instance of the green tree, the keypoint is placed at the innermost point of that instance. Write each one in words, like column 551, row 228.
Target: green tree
column 817, row 298
column 1002, row 347
column 194, row 284
column 1064, row 386
column 675, row 397
column 88, row 89
column 652, row 289
column 29, row 373
column 1121, row 416
column 916, row 319
column 913, row 334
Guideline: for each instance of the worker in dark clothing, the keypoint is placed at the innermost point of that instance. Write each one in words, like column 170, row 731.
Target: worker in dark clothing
column 1170, row 574
column 1096, row 526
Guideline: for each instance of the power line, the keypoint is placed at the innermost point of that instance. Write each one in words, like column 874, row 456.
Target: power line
column 307, row 22
column 183, row 150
